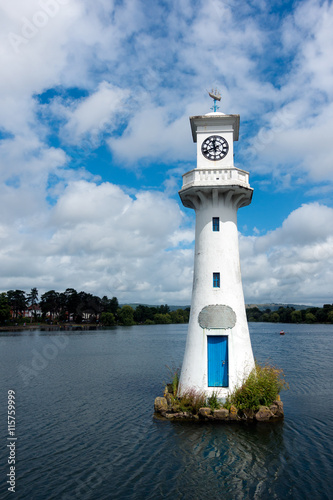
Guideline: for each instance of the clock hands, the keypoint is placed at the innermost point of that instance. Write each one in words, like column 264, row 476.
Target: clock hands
column 215, row 148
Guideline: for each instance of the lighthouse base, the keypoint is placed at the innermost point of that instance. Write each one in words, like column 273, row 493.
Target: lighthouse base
column 167, row 408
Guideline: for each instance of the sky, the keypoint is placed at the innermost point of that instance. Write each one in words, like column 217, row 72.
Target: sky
column 95, row 102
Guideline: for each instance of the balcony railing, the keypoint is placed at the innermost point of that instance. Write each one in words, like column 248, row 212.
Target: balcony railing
column 222, row 176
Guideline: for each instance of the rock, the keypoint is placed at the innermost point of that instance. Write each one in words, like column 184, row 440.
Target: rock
column 264, row 414
column 169, row 399
column 233, row 413
column 204, row 412
column 160, row 404
column 277, row 409
column 249, row 414
column 221, row 414
column 169, row 415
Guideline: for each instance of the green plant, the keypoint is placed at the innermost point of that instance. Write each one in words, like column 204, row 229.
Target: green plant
column 174, row 381
column 261, row 388
column 227, row 403
column 213, row 401
column 192, row 400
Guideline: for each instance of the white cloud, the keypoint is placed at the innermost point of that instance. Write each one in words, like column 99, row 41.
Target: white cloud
column 99, row 239
column 295, row 136
column 91, row 116
column 150, row 135
column 294, row 263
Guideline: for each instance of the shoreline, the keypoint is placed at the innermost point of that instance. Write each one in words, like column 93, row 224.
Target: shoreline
column 48, row 328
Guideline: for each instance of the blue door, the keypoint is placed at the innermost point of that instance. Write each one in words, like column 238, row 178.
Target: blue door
column 217, row 349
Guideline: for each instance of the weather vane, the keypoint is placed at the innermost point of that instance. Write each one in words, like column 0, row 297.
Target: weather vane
column 215, row 94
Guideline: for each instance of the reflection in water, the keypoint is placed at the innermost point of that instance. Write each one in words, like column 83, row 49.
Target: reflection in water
column 230, row 458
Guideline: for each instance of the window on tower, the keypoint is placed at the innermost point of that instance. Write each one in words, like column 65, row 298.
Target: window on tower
column 216, row 223
column 216, row 280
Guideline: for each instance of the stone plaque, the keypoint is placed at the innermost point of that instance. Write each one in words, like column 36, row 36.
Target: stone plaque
column 217, row 316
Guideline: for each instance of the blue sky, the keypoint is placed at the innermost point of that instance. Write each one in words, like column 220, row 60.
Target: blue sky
column 94, row 138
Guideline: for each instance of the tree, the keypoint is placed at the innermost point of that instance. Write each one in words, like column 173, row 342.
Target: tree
column 90, row 305
column 296, row 316
column 142, row 313
column 285, row 314
column 253, row 314
column 274, row 317
column 126, row 315
column 32, row 299
column 107, row 319
column 310, row 318
column 162, row 319
column 49, row 303
column 114, row 305
column 180, row 316
column 17, row 301
column 72, row 301
column 4, row 308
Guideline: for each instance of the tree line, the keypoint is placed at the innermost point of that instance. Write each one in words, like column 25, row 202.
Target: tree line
column 79, row 307
column 291, row 315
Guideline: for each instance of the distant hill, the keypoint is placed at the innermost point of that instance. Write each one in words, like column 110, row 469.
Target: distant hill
column 172, row 308
column 274, row 307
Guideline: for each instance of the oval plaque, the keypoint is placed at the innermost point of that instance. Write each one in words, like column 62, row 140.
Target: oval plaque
column 217, row 316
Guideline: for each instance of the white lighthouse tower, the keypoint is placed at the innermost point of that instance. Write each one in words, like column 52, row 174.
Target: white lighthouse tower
column 218, row 353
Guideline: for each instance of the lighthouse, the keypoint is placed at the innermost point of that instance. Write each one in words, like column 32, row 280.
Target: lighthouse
column 218, row 353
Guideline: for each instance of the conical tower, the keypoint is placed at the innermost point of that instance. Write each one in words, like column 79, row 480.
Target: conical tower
column 218, row 353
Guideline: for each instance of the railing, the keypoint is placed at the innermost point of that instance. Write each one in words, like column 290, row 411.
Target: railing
column 205, row 176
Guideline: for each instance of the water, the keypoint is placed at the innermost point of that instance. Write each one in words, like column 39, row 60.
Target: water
column 85, row 428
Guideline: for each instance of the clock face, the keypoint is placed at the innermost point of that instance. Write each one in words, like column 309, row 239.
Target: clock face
column 215, row 147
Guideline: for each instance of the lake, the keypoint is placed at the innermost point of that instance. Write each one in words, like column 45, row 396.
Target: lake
column 85, row 426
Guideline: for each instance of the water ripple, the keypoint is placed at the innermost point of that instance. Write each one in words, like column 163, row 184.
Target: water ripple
column 85, row 426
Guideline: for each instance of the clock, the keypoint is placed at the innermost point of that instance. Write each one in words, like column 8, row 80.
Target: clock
column 215, row 147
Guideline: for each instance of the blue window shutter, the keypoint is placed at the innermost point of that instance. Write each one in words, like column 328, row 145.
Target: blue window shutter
column 216, row 223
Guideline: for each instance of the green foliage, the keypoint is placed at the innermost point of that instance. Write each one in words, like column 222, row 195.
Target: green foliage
column 126, row 315
column 191, row 401
column 180, row 315
column 290, row 315
column 17, row 301
column 330, row 317
column 310, row 318
column 296, row 317
column 71, row 305
column 4, row 308
column 173, row 386
column 107, row 319
column 213, row 401
column 162, row 319
column 261, row 388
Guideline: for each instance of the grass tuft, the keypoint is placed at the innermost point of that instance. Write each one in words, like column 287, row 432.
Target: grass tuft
column 213, row 401
column 175, row 374
column 261, row 388
column 192, row 400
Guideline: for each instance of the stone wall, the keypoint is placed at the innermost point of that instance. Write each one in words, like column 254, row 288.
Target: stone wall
column 166, row 408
